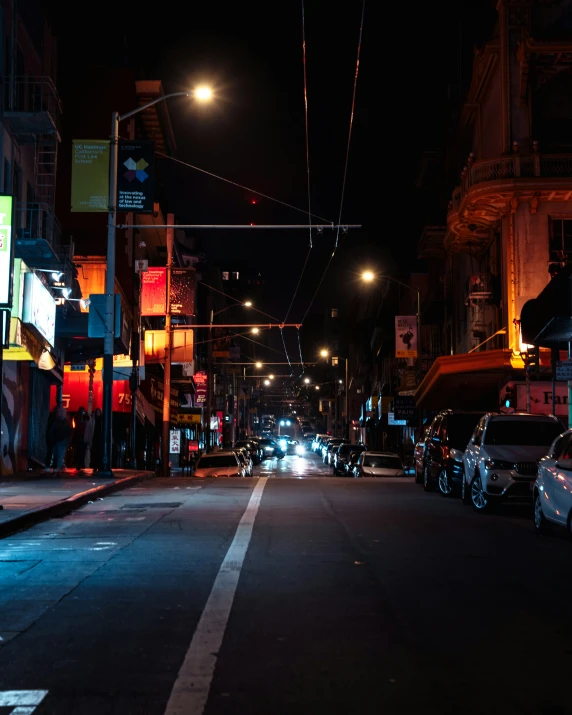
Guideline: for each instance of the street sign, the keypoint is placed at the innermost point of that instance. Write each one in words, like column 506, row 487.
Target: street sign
column 404, row 407
column 564, row 370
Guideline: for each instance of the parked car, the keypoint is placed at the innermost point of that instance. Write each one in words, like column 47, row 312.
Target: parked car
column 253, row 448
column 342, row 456
column 448, row 437
column 329, row 447
column 379, row 464
column 245, row 460
column 219, row 464
column 418, row 455
column 552, row 490
column 351, row 463
column 271, row 449
column 501, row 459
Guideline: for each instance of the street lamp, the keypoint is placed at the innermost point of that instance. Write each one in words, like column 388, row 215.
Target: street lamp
column 258, row 364
column 324, row 353
column 307, row 380
column 255, row 331
column 201, row 94
column 247, row 304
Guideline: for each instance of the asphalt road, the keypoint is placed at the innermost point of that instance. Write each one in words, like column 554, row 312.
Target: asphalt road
column 294, row 592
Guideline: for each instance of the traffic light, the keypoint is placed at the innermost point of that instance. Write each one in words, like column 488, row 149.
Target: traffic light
column 509, row 400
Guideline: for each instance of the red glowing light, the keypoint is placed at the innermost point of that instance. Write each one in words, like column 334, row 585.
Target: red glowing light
column 253, row 201
column 252, row 224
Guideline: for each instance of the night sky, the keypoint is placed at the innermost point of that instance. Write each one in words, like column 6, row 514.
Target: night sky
column 412, row 57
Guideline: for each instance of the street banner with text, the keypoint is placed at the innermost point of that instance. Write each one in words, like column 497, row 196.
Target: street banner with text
column 183, row 291
column 154, row 291
column 406, row 336
column 136, row 176
column 90, row 176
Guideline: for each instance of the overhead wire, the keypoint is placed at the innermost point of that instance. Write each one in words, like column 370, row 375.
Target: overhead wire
column 345, row 165
column 307, row 161
column 241, row 186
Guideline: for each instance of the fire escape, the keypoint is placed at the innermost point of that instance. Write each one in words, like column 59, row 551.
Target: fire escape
column 32, row 117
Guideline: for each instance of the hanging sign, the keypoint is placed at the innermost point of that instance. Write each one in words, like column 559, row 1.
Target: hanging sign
column 136, row 176
column 39, row 308
column 90, row 176
column 406, row 336
column 200, row 380
column 183, row 291
column 6, row 252
column 175, row 442
column 154, row 291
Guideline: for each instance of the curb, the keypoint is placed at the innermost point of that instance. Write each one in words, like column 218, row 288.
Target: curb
column 65, row 506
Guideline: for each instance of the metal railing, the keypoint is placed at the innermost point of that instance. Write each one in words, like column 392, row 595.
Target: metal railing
column 33, row 95
column 510, row 167
column 35, row 221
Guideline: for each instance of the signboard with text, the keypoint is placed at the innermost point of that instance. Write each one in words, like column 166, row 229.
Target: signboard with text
column 175, row 442
column 39, row 308
column 154, row 291
column 405, row 336
column 6, row 252
column 183, row 291
column 200, row 380
column 404, row 408
column 136, row 176
column 90, row 176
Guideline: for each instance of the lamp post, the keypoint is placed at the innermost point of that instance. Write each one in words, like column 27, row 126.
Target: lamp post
column 201, row 94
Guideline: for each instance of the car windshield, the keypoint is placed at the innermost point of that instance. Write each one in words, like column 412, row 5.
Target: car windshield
column 521, row 433
column 460, row 429
column 214, row 461
column 382, row 461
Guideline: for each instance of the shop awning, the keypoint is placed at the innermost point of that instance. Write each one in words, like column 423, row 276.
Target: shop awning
column 470, row 381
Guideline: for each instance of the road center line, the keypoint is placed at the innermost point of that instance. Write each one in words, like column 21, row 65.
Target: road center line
column 191, row 689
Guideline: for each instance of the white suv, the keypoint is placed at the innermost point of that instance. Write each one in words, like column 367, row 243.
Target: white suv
column 501, row 460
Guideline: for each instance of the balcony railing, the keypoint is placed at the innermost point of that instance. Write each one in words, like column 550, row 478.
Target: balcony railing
column 36, row 225
column 33, row 106
column 479, row 288
column 511, row 167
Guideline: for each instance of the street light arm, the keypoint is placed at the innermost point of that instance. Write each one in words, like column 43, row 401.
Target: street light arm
column 162, row 98
column 401, row 283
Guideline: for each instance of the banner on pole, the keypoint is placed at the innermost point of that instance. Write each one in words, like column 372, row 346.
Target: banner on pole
column 6, row 252
column 406, row 336
column 136, row 176
column 154, row 291
column 183, row 291
column 90, row 176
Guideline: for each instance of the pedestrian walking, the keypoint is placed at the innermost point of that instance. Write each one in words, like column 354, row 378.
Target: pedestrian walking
column 59, row 434
column 97, row 441
column 78, row 439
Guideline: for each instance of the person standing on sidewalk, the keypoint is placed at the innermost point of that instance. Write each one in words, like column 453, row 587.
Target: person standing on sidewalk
column 59, row 435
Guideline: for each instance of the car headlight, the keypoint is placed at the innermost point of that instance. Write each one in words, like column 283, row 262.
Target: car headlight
column 283, row 444
column 498, row 464
column 300, row 449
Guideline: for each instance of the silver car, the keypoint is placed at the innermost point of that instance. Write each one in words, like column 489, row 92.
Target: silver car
column 379, row 464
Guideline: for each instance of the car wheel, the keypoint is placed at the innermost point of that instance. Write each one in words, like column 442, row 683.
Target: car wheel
column 479, row 498
column 465, row 492
column 541, row 523
column 445, row 485
column 428, row 483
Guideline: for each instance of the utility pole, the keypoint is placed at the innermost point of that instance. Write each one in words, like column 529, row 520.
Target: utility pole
column 347, row 435
column 167, row 379
column 209, row 395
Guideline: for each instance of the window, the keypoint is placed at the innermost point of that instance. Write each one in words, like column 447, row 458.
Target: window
column 225, row 275
column 217, row 461
column 334, row 312
column 235, row 275
column 560, row 238
column 522, row 432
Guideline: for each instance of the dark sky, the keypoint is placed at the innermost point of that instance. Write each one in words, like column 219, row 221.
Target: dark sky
column 255, row 132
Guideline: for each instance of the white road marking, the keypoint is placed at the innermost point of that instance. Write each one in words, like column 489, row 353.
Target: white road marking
column 24, row 702
column 191, row 689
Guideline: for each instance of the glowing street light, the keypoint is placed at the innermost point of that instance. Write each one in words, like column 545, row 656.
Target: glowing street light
column 324, row 353
column 267, row 382
column 307, row 380
column 255, row 331
column 368, row 276
column 258, row 364
column 271, row 377
column 317, row 387
column 203, row 93
column 247, row 304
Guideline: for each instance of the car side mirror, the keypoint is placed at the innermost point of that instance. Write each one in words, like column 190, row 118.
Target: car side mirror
column 565, row 464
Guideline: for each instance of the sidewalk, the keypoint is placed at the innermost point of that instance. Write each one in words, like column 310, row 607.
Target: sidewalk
column 31, row 497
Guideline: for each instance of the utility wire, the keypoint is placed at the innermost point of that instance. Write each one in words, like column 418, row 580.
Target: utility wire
column 307, row 161
column 226, row 295
column 345, row 166
column 286, row 351
column 240, row 186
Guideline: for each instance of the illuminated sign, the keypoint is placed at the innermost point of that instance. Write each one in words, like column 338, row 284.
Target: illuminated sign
column 39, row 307
column 6, row 252
column 136, row 176
column 175, row 442
column 200, row 380
column 90, row 176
